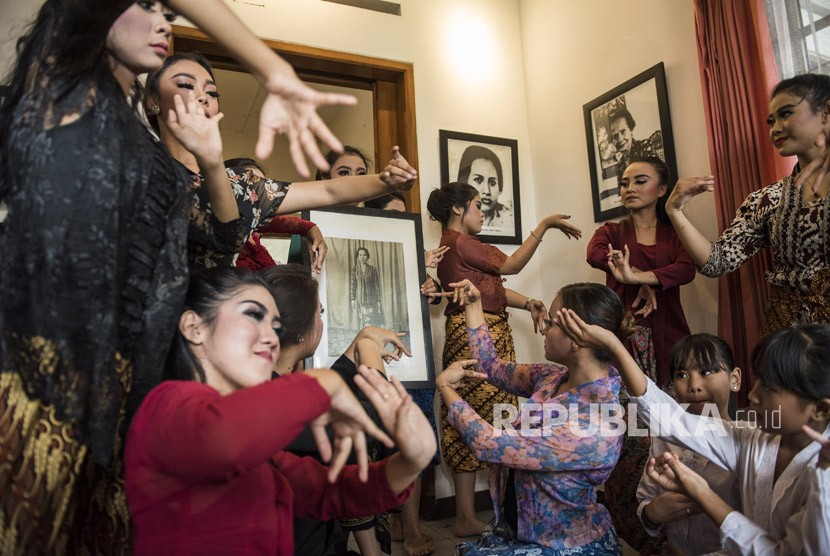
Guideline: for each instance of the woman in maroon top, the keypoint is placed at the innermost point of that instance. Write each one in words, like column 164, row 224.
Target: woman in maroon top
column 205, row 470
column 457, row 206
column 646, row 264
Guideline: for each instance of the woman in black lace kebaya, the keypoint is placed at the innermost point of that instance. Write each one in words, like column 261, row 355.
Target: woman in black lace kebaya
column 93, row 255
column 258, row 199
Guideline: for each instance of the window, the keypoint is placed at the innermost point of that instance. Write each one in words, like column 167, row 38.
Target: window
column 800, row 32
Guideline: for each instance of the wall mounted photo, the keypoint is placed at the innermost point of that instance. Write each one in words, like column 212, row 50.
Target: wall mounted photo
column 628, row 122
column 491, row 165
column 371, row 277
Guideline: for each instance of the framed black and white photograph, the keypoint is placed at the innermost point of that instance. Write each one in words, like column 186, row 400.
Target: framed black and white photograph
column 371, row 277
column 491, row 165
column 628, row 122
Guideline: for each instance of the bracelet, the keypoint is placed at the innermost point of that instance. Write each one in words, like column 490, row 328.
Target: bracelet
column 534, row 236
column 526, row 306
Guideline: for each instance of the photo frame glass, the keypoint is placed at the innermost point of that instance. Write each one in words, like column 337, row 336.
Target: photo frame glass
column 629, row 122
column 371, row 277
column 490, row 164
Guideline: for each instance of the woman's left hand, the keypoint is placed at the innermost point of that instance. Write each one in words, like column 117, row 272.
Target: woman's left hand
column 398, row 174
column 317, row 249
column 291, row 109
column 648, row 298
column 824, row 453
column 405, row 422
column 194, row 130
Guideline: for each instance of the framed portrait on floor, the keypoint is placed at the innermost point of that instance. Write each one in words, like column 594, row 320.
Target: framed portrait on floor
column 371, row 277
column 491, row 165
column 628, row 122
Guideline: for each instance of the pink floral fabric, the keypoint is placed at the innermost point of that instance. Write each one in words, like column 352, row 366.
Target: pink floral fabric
column 557, row 471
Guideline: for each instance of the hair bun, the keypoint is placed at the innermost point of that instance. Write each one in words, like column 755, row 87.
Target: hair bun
column 628, row 326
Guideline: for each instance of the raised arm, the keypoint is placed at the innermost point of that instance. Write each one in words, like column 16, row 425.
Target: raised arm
column 519, row 259
column 695, row 242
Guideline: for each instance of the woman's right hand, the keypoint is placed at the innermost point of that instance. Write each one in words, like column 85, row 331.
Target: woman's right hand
column 291, row 109
column 686, row 189
column 454, row 375
column 398, row 174
column 196, row 132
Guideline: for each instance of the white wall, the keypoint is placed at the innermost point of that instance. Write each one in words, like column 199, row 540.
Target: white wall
column 573, row 53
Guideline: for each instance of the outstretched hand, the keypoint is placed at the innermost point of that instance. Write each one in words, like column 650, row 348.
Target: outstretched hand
column 291, row 110
column 383, row 338
column 457, row 373
column 463, row 293
column 539, row 315
column 398, row 175
column 686, row 189
column 560, row 222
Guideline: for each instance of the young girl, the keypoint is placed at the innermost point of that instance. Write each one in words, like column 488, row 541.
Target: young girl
column 97, row 226
column 204, row 466
column 790, row 215
column 543, row 479
column 257, row 200
column 704, row 376
column 457, row 206
column 784, row 484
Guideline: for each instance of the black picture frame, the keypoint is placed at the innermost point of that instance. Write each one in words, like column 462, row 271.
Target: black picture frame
column 644, row 98
column 395, row 243
column 503, row 215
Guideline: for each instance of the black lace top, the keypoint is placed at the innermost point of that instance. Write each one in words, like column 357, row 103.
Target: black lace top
column 93, row 252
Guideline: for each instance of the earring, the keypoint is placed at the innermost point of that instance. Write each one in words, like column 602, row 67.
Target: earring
column 735, row 388
column 154, row 110
column 300, row 339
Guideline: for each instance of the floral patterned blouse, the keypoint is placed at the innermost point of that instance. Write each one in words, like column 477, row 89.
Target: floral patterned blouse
column 258, row 200
column 557, row 471
column 775, row 215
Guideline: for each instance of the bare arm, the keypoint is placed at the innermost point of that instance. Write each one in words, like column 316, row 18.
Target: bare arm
column 697, row 245
column 519, row 259
column 398, row 175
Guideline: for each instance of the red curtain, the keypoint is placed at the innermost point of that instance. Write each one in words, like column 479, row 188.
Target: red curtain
column 737, row 73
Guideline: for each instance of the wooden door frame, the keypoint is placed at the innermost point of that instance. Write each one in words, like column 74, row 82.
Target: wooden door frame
column 392, row 84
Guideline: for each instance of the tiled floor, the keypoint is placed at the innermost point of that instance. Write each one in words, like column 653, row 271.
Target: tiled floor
column 444, row 541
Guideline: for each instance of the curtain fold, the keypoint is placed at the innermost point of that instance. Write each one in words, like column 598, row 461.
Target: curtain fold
column 737, row 72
